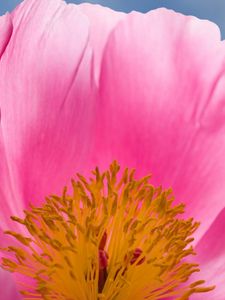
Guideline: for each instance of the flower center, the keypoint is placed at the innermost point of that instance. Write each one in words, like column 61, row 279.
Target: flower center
column 113, row 237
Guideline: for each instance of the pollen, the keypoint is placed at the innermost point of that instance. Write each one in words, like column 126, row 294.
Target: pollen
column 110, row 237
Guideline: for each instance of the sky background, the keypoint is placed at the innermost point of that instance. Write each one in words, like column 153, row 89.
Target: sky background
column 205, row 9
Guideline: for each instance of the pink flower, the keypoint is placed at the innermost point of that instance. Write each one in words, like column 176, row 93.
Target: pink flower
column 83, row 85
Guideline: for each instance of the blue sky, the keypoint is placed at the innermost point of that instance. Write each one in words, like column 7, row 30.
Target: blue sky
column 205, row 9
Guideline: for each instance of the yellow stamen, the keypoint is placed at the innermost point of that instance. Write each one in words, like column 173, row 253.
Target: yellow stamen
column 110, row 239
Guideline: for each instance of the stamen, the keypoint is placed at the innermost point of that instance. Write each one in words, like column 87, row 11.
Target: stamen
column 114, row 237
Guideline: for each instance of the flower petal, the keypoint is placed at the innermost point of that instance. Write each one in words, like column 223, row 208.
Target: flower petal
column 8, row 206
column 102, row 21
column 162, row 106
column 8, row 287
column 47, row 98
column 211, row 256
column 5, row 32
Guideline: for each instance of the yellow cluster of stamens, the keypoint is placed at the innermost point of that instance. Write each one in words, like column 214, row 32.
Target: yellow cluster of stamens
column 131, row 223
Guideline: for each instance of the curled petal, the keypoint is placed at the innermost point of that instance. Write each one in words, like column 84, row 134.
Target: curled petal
column 6, row 29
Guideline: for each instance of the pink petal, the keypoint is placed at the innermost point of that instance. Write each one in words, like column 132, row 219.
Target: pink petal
column 162, row 91
column 5, row 32
column 47, row 98
column 102, row 21
column 8, row 287
column 211, row 256
column 8, row 206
